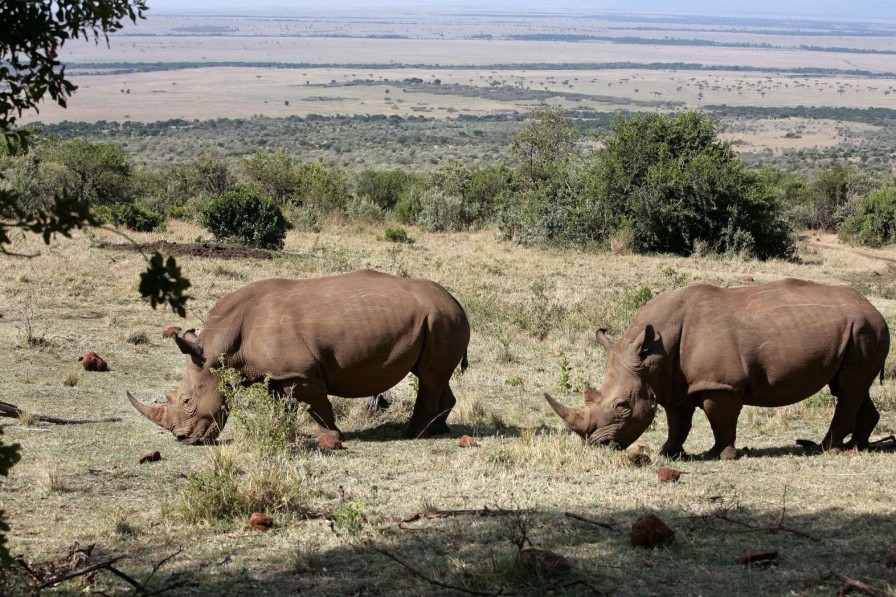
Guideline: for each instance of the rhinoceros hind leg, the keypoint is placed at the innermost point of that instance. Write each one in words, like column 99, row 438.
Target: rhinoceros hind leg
column 866, row 421
column 429, row 415
column 722, row 409
column 846, row 415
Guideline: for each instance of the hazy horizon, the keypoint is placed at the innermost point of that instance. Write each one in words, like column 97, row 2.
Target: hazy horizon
column 819, row 9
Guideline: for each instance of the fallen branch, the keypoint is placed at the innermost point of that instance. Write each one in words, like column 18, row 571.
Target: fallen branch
column 849, row 585
column 14, row 412
column 723, row 515
column 107, row 563
column 450, row 513
column 605, row 525
column 434, row 581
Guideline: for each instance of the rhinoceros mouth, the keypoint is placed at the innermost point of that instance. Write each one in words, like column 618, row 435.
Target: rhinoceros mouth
column 605, row 436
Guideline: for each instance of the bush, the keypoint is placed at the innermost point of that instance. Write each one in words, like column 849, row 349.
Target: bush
column 130, row 216
column 362, row 209
column 875, row 223
column 397, row 235
column 246, row 218
column 679, row 185
column 384, row 188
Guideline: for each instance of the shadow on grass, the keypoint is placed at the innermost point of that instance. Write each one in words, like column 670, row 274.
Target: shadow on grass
column 476, row 553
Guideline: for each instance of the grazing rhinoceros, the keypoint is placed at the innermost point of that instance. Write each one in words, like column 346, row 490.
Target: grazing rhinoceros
column 352, row 335
column 722, row 348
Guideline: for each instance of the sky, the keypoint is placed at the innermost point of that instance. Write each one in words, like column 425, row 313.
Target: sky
column 848, row 9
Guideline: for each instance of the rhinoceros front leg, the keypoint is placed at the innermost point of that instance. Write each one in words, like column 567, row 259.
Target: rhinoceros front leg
column 679, row 419
column 321, row 411
column 722, row 409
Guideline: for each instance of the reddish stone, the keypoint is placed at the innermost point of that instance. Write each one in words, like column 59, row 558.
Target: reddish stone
column 758, row 557
column 260, row 522
column 92, row 362
column 171, row 331
column 466, row 441
column 747, row 278
column 666, row 474
column 650, row 531
column 150, row 457
column 329, row 441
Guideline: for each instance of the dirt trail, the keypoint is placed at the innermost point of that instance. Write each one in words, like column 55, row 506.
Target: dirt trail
column 830, row 242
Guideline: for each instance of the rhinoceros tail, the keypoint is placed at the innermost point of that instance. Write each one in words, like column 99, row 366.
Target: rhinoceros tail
column 464, row 363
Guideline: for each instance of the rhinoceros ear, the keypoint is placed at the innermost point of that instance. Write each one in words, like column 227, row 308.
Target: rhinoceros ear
column 601, row 337
column 591, row 395
column 641, row 346
column 189, row 345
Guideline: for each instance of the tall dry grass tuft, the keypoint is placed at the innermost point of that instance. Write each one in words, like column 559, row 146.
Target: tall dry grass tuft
column 264, row 468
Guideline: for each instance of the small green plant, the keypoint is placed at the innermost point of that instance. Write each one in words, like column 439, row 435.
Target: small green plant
column 563, row 380
column 674, row 277
column 638, row 297
column 246, row 218
column 349, row 517
column 542, row 313
column 397, row 235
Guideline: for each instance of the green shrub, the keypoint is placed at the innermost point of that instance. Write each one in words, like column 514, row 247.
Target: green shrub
column 679, row 185
column 246, row 218
column 385, row 187
column 362, row 209
column 875, row 223
column 397, row 235
column 130, row 216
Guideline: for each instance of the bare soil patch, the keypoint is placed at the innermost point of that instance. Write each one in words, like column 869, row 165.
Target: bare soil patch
column 191, row 250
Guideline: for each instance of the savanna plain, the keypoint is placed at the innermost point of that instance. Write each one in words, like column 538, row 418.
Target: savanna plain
column 392, row 516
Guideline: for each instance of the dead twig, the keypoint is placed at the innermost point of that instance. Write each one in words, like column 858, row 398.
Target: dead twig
column 849, row 585
column 723, row 514
column 433, row 581
column 13, row 411
column 605, row 525
column 451, row 513
column 79, row 572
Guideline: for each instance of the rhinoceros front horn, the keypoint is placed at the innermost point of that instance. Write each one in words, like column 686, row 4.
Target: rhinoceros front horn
column 572, row 417
column 154, row 413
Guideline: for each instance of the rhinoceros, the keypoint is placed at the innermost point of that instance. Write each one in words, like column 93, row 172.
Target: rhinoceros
column 350, row 335
column 720, row 349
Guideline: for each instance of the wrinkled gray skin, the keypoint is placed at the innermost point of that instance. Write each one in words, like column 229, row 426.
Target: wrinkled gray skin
column 720, row 349
column 353, row 335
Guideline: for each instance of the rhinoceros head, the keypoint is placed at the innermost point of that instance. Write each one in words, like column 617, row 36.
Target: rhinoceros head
column 195, row 412
column 624, row 406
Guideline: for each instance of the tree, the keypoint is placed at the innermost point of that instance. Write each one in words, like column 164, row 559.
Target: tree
column 542, row 150
column 31, row 35
column 676, row 185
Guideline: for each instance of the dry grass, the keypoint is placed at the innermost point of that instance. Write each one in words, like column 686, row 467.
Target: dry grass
column 520, row 348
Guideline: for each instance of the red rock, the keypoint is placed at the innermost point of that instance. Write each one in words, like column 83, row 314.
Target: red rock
column 747, row 278
column 467, row 441
column 891, row 560
column 850, row 452
column 171, row 331
column 260, row 522
column 329, row 441
column 758, row 557
column 150, row 457
column 92, row 362
column 638, row 456
column 666, row 474
column 650, row 531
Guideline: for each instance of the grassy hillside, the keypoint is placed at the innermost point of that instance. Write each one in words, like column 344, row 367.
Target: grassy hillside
column 338, row 515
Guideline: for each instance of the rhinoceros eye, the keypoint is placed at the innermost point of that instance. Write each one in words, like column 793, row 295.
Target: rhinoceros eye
column 623, row 406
